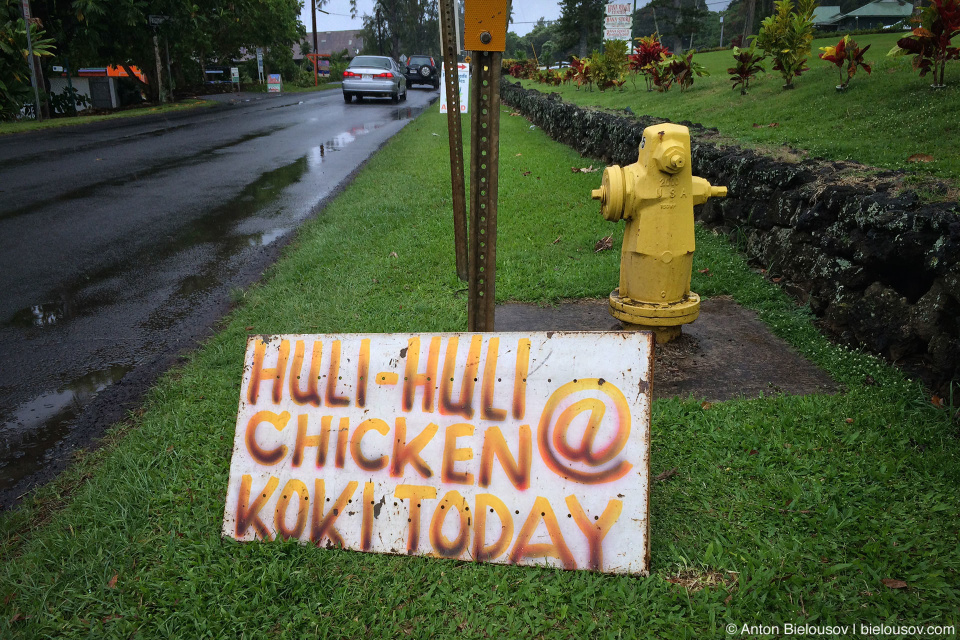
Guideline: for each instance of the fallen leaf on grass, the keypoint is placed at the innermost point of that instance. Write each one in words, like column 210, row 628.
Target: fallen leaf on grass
column 250, row 328
column 435, row 134
column 113, row 581
column 666, row 475
column 603, row 244
column 706, row 405
column 890, row 583
column 753, row 452
column 920, row 157
column 937, row 402
column 516, row 113
column 589, row 169
column 525, row 173
column 518, row 155
column 772, row 125
column 393, row 254
column 9, row 597
column 849, row 420
column 557, row 240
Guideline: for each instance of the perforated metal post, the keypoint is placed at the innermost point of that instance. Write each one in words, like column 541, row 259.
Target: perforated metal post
column 448, row 27
column 484, row 162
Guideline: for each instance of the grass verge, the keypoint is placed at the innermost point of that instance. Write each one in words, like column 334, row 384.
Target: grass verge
column 882, row 120
column 783, row 510
column 30, row 125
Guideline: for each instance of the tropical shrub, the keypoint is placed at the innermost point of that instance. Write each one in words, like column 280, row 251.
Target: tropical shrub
column 847, row 52
column 15, row 87
column 649, row 52
column 67, row 101
column 683, row 69
column 749, row 63
column 612, row 65
column 930, row 43
column 582, row 71
column 786, row 37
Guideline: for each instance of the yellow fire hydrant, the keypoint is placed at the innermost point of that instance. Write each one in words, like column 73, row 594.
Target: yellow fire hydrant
column 656, row 196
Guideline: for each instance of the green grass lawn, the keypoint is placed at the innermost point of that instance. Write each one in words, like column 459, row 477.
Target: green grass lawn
column 30, row 125
column 881, row 120
column 783, row 510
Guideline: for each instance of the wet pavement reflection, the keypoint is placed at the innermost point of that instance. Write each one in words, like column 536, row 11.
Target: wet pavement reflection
column 102, row 323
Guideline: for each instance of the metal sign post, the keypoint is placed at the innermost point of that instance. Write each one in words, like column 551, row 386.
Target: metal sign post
column 449, row 35
column 484, row 164
column 485, row 33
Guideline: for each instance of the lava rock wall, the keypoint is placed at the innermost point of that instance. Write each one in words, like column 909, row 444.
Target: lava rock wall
column 879, row 267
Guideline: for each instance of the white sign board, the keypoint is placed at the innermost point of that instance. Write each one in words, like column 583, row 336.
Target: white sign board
column 513, row 448
column 463, row 75
column 235, row 75
column 617, row 33
column 618, row 21
column 619, row 9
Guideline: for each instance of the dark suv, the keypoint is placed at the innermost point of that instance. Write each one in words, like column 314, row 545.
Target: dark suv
column 422, row 70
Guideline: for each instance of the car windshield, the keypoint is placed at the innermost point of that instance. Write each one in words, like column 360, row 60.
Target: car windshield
column 371, row 61
column 419, row 60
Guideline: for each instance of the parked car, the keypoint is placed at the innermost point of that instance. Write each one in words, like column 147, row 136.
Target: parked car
column 374, row 76
column 423, row 70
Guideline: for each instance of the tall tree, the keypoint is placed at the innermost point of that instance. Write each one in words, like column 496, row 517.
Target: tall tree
column 581, row 24
column 402, row 27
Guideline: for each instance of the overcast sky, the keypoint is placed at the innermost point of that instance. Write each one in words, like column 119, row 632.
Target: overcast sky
column 525, row 14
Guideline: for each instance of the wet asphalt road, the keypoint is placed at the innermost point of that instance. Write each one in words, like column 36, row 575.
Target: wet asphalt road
column 121, row 242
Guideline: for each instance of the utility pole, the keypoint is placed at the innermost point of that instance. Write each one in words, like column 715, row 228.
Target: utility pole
column 313, row 17
column 33, row 69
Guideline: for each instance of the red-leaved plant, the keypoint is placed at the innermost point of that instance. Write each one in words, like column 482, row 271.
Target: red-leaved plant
column 649, row 52
column 930, row 42
column 847, row 52
column 749, row 63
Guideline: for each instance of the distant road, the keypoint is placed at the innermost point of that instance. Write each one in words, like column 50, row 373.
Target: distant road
column 121, row 241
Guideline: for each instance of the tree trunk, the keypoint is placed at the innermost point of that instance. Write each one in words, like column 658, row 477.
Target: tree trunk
column 748, row 20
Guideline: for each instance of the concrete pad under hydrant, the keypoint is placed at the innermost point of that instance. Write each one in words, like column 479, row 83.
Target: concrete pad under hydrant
column 727, row 353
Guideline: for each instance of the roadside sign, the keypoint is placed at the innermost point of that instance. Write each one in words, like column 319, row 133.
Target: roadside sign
column 260, row 64
column 156, row 21
column 618, row 21
column 619, row 9
column 463, row 75
column 512, row 448
column 25, row 5
column 273, row 83
column 617, row 33
column 235, row 75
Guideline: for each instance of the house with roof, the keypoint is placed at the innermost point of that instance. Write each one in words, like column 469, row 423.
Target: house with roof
column 824, row 16
column 329, row 42
column 880, row 13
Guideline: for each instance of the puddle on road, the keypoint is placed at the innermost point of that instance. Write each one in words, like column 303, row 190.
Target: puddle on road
column 35, row 427
column 66, row 306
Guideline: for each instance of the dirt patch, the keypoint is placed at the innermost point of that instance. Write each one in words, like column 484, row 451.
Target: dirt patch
column 727, row 353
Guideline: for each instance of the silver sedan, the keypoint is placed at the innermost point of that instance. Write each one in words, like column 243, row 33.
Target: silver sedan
column 374, row 76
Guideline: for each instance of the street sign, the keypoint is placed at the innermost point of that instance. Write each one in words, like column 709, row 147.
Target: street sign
column 618, row 21
column 617, row 33
column 463, row 75
column 25, row 4
column 273, row 83
column 513, row 448
column 156, row 21
column 619, row 9
column 235, row 75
